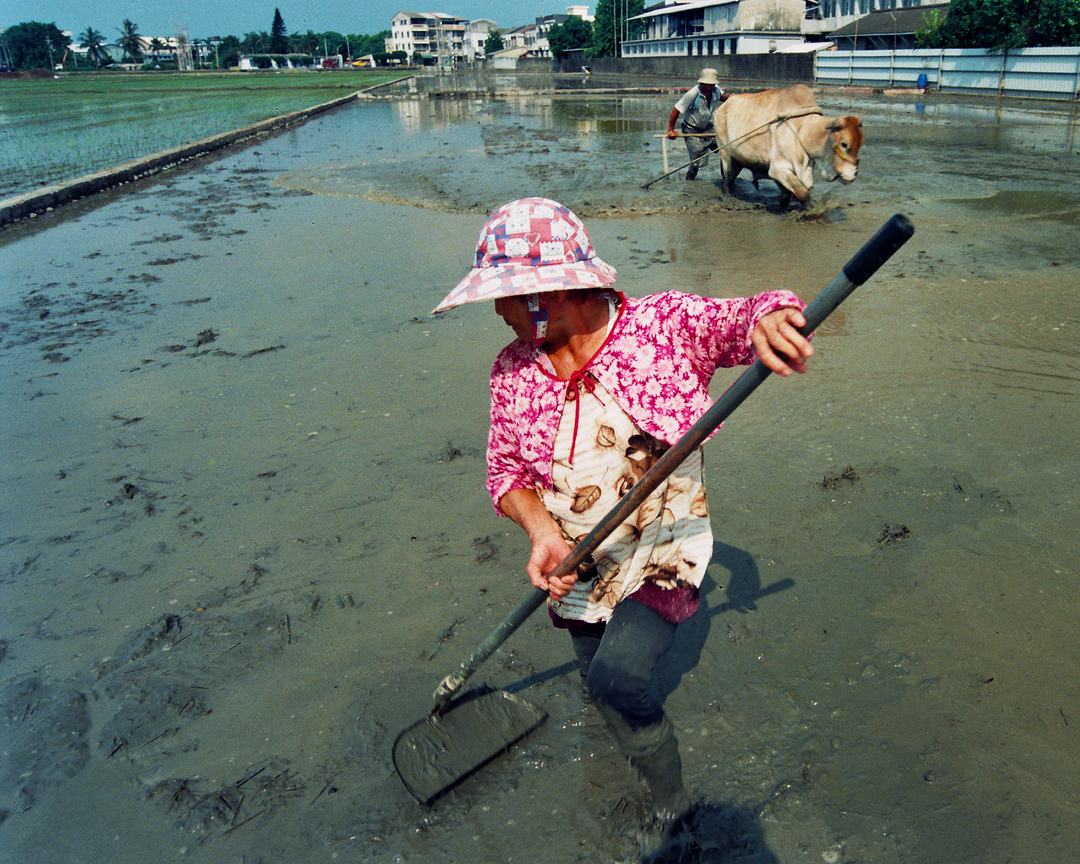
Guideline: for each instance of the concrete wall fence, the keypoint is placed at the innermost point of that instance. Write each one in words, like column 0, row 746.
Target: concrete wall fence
column 762, row 69
column 1045, row 73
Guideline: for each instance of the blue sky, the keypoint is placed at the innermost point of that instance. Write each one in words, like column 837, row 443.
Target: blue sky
column 220, row 17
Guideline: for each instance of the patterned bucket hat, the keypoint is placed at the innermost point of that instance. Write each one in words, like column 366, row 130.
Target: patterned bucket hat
column 530, row 246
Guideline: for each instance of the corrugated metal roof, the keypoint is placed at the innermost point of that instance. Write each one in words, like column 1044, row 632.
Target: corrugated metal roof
column 895, row 21
column 512, row 53
column 804, row 47
column 682, row 7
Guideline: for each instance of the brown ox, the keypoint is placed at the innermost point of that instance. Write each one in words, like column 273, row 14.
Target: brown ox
column 781, row 133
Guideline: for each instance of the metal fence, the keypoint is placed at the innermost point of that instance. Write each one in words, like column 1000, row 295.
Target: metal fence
column 1046, row 73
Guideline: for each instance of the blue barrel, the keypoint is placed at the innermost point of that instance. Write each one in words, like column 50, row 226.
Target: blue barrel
column 922, row 81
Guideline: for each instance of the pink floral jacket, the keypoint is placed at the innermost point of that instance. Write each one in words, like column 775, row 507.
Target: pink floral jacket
column 657, row 363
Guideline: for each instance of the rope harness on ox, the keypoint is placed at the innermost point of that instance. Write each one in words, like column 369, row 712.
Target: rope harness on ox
column 843, row 155
column 715, row 148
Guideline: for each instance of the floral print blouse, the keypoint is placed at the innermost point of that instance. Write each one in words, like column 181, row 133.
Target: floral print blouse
column 657, row 363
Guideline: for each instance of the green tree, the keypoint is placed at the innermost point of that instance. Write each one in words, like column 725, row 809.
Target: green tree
column 34, row 45
column 154, row 49
column 228, row 52
column 572, row 34
column 331, row 43
column 130, row 41
column 612, row 25
column 255, row 43
column 308, row 43
column 932, row 35
column 94, row 43
column 279, row 43
column 1003, row 24
column 493, row 43
column 1057, row 24
column 362, row 44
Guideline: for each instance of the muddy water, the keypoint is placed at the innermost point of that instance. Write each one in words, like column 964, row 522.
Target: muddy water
column 245, row 534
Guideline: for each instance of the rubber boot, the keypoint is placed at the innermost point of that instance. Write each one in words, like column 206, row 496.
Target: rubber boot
column 585, row 648
column 691, row 172
column 654, row 751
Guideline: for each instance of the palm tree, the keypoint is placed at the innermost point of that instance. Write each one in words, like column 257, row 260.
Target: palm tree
column 131, row 41
column 255, row 42
column 308, row 43
column 94, row 43
column 157, row 46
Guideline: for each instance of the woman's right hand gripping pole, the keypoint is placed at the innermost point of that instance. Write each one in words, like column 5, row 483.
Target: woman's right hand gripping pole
column 548, row 546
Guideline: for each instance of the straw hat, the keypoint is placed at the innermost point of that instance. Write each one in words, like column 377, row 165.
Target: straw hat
column 530, row 246
column 708, row 76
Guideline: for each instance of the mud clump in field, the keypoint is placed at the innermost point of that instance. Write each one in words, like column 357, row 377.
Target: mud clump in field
column 60, row 319
column 835, row 481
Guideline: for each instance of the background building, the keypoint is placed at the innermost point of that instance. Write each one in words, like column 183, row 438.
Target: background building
column 703, row 28
column 433, row 35
column 710, row 27
column 889, row 29
column 476, row 35
column 825, row 17
column 444, row 39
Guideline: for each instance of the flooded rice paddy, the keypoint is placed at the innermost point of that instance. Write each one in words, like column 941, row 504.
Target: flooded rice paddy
column 55, row 129
column 245, row 532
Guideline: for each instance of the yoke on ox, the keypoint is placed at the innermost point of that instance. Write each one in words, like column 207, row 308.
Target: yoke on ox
column 782, row 134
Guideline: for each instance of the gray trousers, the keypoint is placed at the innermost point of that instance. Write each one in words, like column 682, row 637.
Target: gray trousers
column 617, row 661
column 699, row 146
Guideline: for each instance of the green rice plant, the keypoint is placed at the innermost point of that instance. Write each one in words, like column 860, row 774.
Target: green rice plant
column 56, row 129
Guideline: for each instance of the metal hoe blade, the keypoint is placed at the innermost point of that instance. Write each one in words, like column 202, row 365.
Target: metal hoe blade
column 434, row 754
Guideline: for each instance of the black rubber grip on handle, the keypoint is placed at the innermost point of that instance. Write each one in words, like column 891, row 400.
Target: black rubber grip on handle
column 879, row 248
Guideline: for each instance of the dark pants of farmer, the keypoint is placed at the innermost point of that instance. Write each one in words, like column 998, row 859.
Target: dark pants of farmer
column 617, row 661
column 700, row 147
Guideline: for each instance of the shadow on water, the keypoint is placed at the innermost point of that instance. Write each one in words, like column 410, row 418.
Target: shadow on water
column 744, row 586
column 541, row 677
column 714, row 833
column 743, row 590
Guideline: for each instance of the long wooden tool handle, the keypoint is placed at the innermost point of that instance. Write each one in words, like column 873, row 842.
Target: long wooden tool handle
column 693, row 161
column 890, row 237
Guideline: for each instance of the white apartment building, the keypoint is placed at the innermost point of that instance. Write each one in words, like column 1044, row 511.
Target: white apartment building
column 534, row 37
column 704, row 28
column 476, row 35
column 448, row 39
column 430, row 34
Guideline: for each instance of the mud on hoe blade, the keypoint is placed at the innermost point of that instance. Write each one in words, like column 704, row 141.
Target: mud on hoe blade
column 443, row 748
column 460, row 734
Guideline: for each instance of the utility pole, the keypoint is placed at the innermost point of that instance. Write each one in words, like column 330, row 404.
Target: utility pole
column 615, row 27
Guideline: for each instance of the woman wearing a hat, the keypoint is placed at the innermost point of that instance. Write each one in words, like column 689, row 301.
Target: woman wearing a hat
column 594, row 389
column 696, row 108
